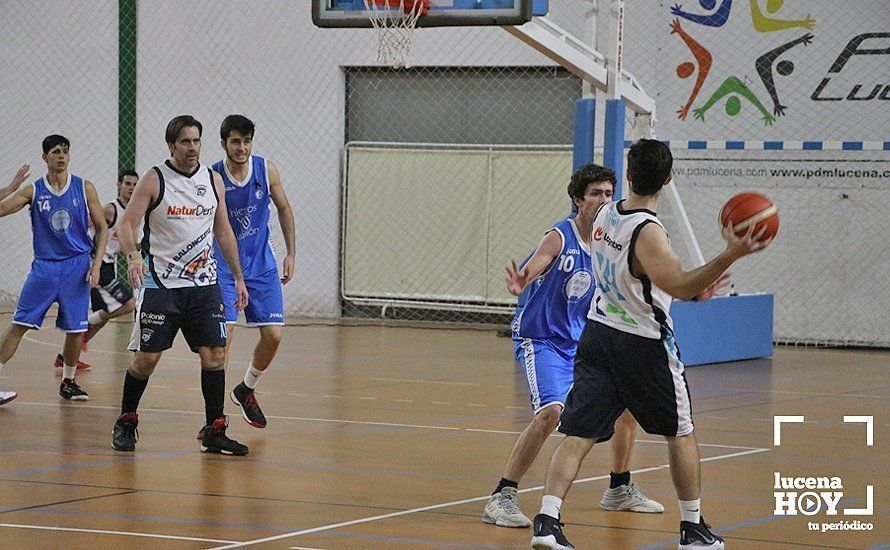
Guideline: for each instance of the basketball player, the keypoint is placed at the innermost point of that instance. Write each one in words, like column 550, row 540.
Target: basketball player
column 252, row 186
column 627, row 357
column 62, row 206
column 110, row 299
column 555, row 289
column 183, row 204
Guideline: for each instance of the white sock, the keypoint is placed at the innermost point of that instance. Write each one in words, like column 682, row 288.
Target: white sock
column 252, row 376
column 68, row 372
column 690, row 510
column 95, row 317
column 550, row 506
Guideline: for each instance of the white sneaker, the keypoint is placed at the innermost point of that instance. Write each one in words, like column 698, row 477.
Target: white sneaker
column 503, row 510
column 7, row 396
column 629, row 497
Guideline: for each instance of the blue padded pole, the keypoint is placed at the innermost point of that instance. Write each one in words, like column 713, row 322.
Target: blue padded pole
column 613, row 143
column 585, row 123
column 585, row 117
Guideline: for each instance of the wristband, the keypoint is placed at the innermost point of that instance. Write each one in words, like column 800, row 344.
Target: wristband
column 134, row 256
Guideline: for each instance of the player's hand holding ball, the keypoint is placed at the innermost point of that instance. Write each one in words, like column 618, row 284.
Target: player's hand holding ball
column 749, row 223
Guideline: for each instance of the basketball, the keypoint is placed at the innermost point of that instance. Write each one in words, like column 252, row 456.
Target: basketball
column 746, row 209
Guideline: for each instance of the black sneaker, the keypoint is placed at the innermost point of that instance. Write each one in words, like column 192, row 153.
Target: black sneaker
column 71, row 391
column 250, row 409
column 698, row 535
column 215, row 440
column 202, row 431
column 125, row 433
column 548, row 534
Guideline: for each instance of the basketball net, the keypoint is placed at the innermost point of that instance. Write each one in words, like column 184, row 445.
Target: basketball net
column 395, row 21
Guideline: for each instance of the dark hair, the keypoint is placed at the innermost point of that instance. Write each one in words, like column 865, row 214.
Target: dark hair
column 587, row 174
column 127, row 172
column 175, row 126
column 51, row 141
column 649, row 162
column 236, row 123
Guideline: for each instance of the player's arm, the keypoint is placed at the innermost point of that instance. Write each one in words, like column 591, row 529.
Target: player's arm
column 109, row 211
column 543, row 257
column 17, row 200
column 285, row 219
column 97, row 216
column 225, row 238
column 144, row 194
column 655, row 258
column 16, row 182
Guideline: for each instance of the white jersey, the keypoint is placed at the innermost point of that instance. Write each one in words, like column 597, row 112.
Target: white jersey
column 113, row 246
column 177, row 240
column 622, row 300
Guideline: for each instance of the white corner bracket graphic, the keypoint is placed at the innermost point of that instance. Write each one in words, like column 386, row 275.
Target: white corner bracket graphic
column 869, row 422
column 777, row 427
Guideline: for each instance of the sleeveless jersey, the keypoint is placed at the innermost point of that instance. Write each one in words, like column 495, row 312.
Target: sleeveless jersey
column 622, row 300
column 248, row 205
column 113, row 246
column 60, row 221
column 177, row 241
column 553, row 306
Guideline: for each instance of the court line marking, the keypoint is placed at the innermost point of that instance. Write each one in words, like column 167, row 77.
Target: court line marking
column 109, row 352
column 453, row 503
column 365, row 422
column 107, row 532
column 421, row 381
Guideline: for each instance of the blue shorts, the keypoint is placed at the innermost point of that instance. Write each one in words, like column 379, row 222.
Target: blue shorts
column 265, row 305
column 62, row 281
column 549, row 370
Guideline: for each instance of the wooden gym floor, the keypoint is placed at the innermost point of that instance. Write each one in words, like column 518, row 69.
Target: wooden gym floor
column 393, row 437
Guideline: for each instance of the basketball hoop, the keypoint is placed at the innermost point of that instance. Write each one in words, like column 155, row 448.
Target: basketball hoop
column 395, row 21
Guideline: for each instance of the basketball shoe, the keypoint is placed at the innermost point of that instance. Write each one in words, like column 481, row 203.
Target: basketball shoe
column 71, row 391
column 214, row 440
column 629, row 497
column 125, row 434
column 698, row 535
column 548, row 534
column 7, row 396
column 245, row 398
column 502, row 509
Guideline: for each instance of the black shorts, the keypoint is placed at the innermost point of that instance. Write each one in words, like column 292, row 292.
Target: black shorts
column 110, row 295
column 162, row 312
column 616, row 370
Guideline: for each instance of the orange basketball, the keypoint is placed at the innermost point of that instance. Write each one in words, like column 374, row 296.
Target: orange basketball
column 746, row 209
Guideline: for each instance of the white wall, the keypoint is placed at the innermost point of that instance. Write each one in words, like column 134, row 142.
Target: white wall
column 58, row 75
column 272, row 64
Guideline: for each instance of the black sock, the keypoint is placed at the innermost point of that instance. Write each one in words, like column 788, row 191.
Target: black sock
column 504, row 482
column 618, row 480
column 133, row 389
column 213, row 386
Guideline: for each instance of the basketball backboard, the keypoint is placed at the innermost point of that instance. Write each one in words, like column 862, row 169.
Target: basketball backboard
column 442, row 13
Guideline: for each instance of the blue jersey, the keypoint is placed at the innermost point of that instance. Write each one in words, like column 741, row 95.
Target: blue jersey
column 60, row 221
column 554, row 307
column 249, row 205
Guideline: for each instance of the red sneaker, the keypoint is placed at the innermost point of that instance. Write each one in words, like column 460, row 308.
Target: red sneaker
column 81, row 366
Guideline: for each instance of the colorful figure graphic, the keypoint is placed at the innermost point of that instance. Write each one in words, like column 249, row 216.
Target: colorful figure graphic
column 684, row 70
column 763, row 23
column 714, row 19
column 764, row 66
column 733, row 85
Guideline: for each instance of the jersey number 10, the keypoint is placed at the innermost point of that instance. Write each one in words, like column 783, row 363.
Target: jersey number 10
column 566, row 263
